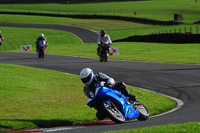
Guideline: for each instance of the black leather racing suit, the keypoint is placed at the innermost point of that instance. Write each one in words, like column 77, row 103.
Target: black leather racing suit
column 1, row 39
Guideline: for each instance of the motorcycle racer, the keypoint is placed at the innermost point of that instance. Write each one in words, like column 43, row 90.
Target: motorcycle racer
column 103, row 38
column 40, row 39
column 1, row 38
column 110, row 103
column 90, row 79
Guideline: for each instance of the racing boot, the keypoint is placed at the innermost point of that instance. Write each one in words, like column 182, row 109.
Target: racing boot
column 125, row 91
column 132, row 98
column 100, row 115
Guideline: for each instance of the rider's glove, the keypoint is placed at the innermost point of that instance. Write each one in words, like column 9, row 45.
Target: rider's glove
column 108, row 84
column 102, row 83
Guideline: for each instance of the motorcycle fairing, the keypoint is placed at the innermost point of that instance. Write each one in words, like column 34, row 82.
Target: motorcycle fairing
column 126, row 107
column 103, row 94
column 42, row 45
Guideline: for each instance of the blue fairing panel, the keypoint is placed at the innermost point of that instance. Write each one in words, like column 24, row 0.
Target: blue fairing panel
column 130, row 112
column 127, row 109
column 104, row 94
column 42, row 45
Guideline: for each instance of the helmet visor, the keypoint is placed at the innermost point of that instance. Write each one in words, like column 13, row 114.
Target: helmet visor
column 103, row 33
column 87, row 79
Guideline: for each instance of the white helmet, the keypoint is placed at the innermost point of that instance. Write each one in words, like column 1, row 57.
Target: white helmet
column 87, row 76
column 41, row 35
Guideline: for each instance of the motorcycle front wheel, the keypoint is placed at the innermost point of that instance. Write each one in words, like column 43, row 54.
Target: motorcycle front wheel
column 41, row 53
column 112, row 112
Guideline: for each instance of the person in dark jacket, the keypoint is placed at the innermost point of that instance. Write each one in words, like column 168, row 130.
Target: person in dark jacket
column 1, row 38
column 39, row 40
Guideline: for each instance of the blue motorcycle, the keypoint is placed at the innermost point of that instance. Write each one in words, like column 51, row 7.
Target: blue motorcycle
column 112, row 104
column 42, row 49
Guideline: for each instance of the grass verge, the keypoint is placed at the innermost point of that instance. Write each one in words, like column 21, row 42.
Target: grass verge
column 95, row 24
column 190, row 127
column 49, row 98
column 57, row 40
column 65, row 43
column 160, row 11
column 152, row 9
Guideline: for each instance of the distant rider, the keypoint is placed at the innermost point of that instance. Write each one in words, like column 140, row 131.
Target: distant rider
column 1, row 38
column 103, row 38
column 90, row 79
column 40, row 39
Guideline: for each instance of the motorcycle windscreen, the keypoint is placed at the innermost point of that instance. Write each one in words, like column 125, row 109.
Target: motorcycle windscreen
column 42, row 45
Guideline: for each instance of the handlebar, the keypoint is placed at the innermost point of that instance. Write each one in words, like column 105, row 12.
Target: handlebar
column 105, row 45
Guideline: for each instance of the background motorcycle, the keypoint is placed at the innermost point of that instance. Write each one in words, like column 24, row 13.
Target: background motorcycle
column 41, row 49
column 103, row 52
column 113, row 104
column 1, row 39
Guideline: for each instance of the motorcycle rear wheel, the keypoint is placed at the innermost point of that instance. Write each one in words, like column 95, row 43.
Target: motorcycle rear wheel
column 113, row 112
column 100, row 59
column 144, row 113
column 105, row 57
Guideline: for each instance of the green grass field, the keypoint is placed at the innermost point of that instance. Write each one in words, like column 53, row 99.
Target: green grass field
column 50, row 98
column 190, row 127
column 152, row 9
column 118, row 29
column 95, row 24
column 17, row 114
column 65, row 43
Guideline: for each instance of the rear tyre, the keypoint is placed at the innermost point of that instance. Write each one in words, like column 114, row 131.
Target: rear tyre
column 105, row 57
column 101, row 57
column 144, row 113
column 112, row 112
column 101, row 60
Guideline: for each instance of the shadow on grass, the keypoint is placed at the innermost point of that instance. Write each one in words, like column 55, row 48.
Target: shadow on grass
column 40, row 123
column 178, row 38
column 25, row 124
column 95, row 16
column 20, row 59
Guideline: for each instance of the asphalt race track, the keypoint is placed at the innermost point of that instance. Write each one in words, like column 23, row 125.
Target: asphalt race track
column 181, row 81
column 85, row 35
